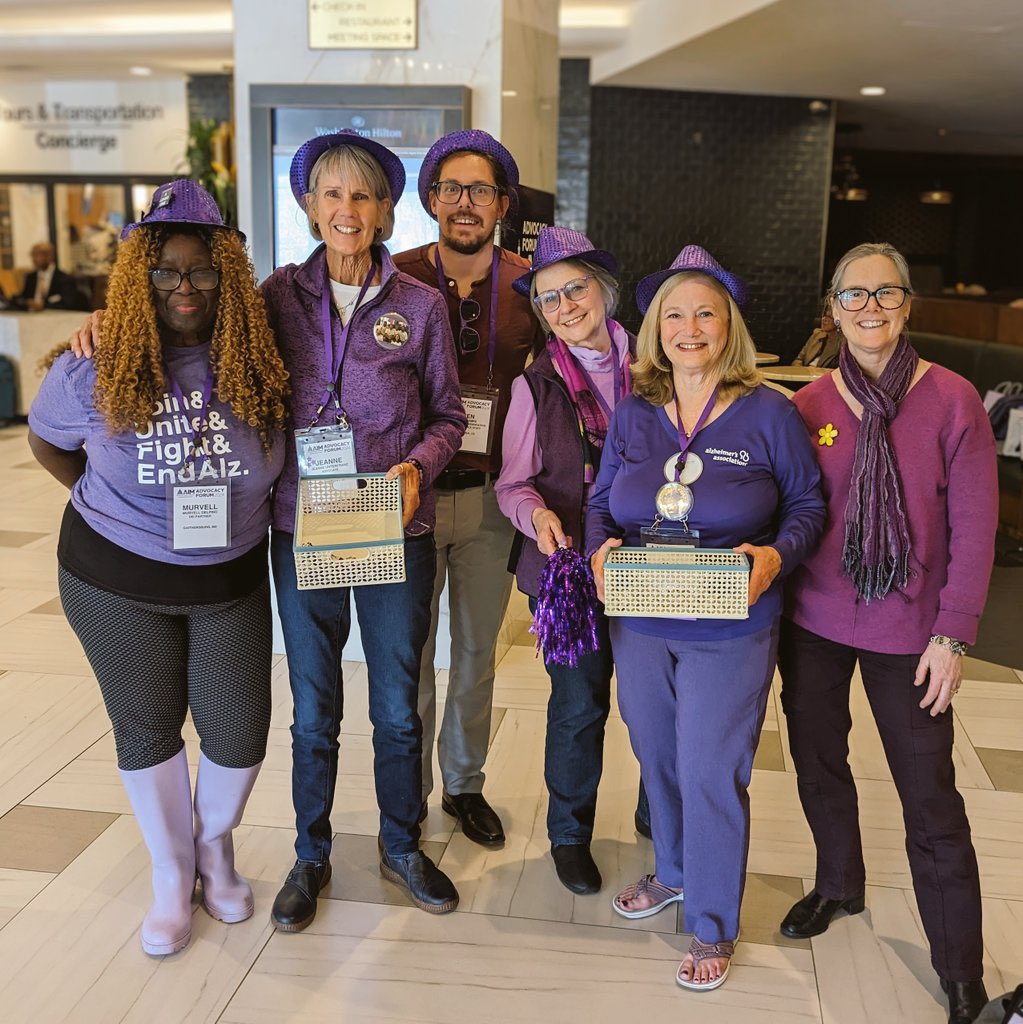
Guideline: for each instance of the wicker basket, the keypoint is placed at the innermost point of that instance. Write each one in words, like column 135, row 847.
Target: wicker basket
column 669, row 583
column 348, row 531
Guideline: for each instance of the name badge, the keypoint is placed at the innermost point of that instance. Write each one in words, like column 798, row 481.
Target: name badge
column 481, row 409
column 326, row 451
column 200, row 515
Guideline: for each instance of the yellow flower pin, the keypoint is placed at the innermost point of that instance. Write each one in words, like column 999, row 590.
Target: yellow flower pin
column 827, row 434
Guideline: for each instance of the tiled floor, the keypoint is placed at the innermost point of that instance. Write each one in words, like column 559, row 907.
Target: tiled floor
column 74, row 885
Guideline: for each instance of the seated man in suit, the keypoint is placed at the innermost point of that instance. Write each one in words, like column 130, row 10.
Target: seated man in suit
column 48, row 287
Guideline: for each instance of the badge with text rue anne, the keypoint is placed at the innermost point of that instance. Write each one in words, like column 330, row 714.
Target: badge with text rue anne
column 200, row 515
column 827, row 434
column 391, row 330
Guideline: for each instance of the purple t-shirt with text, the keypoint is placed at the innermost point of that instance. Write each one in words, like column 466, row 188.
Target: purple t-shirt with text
column 123, row 493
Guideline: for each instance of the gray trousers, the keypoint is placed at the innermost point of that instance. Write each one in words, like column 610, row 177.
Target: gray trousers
column 473, row 543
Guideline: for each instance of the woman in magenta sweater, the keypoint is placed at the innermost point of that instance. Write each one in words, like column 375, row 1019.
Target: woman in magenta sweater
column 897, row 584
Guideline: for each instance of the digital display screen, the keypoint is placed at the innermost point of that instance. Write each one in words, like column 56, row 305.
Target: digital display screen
column 409, row 133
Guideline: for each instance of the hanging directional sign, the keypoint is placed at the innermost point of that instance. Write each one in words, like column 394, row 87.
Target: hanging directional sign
column 363, row 25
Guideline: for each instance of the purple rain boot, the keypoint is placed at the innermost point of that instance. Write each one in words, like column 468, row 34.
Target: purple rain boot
column 220, row 798
column 161, row 798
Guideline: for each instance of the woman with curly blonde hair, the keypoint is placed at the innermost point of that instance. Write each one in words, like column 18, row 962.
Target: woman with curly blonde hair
column 170, row 441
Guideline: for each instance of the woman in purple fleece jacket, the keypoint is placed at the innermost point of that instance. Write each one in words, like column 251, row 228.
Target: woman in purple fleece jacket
column 370, row 349
column 897, row 584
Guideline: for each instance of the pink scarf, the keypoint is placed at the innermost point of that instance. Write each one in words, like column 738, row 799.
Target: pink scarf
column 593, row 420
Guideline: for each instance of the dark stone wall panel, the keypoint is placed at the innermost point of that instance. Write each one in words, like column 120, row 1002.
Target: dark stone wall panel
column 747, row 177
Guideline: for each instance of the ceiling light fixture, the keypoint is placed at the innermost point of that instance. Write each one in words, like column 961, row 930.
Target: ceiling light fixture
column 141, row 71
column 873, row 90
column 936, row 197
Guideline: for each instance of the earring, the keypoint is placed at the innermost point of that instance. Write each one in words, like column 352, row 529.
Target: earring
column 838, row 324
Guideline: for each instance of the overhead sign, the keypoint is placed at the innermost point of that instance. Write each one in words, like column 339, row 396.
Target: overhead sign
column 93, row 127
column 363, row 25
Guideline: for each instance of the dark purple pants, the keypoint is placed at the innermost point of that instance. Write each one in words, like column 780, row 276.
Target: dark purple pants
column 815, row 695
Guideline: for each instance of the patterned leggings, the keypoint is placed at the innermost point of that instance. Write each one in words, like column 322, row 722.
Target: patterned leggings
column 155, row 662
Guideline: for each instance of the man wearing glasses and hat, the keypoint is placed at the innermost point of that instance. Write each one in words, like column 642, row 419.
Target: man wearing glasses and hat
column 466, row 184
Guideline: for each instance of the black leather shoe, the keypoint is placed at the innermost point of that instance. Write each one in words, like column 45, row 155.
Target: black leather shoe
column 643, row 827
column 480, row 822
column 812, row 914
column 966, row 1000
column 431, row 890
column 576, row 868
column 295, row 906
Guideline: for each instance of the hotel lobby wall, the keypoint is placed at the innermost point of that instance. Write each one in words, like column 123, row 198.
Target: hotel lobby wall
column 745, row 176
column 504, row 50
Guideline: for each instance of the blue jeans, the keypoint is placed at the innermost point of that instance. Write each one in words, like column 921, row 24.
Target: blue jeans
column 574, row 756
column 394, row 620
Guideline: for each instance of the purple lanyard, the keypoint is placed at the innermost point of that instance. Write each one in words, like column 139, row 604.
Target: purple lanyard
column 207, row 393
column 333, row 359
column 685, row 442
column 619, row 384
column 492, row 335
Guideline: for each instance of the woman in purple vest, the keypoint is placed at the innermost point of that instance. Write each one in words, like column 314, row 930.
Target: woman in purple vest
column 702, row 441
column 553, row 437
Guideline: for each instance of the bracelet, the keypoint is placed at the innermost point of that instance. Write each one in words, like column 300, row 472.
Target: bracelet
column 955, row 646
column 417, row 464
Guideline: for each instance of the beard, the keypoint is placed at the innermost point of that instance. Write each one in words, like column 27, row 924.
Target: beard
column 466, row 246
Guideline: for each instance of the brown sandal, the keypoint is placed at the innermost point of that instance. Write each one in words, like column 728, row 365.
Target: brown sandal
column 700, row 951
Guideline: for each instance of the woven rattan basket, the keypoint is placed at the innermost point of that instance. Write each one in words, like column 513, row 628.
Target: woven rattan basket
column 669, row 583
column 348, row 531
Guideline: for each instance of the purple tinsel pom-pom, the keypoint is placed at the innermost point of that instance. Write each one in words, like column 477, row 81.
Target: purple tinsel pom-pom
column 565, row 622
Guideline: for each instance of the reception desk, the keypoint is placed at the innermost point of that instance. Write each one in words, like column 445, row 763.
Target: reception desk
column 25, row 338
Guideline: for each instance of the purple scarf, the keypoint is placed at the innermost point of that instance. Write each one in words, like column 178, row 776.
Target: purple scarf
column 875, row 555
column 593, row 421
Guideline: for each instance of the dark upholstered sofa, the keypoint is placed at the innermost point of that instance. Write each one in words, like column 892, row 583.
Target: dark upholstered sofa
column 985, row 364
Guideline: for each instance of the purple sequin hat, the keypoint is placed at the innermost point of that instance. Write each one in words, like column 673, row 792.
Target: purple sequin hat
column 473, row 139
column 555, row 244
column 692, row 257
column 180, row 202
column 309, row 152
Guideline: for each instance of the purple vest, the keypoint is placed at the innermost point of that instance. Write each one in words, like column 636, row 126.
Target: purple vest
column 560, row 481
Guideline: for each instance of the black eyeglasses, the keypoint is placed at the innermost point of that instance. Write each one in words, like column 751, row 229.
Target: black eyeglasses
column 573, row 290
column 166, row 280
column 468, row 337
column 852, row 300
column 450, row 192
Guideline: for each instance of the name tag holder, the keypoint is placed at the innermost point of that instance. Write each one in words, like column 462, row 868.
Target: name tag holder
column 661, row 534
column 200, row 515
column 481, row 409
column 326, row 451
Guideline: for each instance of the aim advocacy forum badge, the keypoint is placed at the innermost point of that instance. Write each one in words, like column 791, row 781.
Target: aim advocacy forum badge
column 391, row 331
